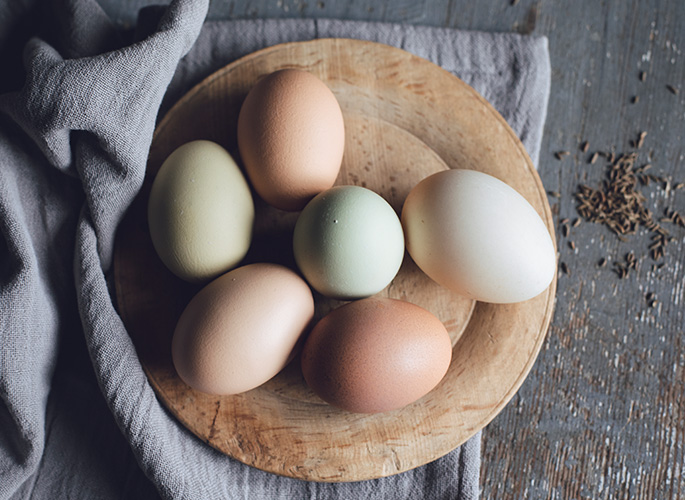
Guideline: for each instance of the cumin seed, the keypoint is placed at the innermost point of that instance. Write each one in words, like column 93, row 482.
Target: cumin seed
column 640, row 139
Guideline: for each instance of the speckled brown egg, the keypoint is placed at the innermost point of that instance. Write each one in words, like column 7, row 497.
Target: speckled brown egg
column 375, row 355
column 291, row 137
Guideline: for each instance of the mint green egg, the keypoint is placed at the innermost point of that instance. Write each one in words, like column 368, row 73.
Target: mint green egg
column 348, row 242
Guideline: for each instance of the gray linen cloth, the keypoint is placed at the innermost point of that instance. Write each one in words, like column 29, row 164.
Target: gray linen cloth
column 78, row 418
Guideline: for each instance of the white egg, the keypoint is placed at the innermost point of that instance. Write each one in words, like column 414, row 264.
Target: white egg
column 478, row 237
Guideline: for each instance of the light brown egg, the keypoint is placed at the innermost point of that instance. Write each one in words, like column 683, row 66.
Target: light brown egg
column 375, row 355
column 291, row 137
column 242, row 329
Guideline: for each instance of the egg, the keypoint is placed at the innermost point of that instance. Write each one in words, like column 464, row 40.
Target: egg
column 348, row 242
column 291, row 137
column 200, row 212
column 375, row 355
column 241, row 329
column 477, row 236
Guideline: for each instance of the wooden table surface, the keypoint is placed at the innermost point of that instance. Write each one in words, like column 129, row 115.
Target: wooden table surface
column 602, row 413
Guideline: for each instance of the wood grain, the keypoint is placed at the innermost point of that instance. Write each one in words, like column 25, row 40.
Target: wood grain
column 405, row 118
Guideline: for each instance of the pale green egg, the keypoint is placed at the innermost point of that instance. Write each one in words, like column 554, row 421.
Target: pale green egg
column 200, row 212
column 348, row 242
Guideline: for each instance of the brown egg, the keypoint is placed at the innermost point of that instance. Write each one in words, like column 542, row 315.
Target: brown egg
column 291, row 138
column 376, row 355
column 242, row 329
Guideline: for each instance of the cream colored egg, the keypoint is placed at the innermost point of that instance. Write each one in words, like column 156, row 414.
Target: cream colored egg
column 200, row 212
column 477, row 236
column 242, row 329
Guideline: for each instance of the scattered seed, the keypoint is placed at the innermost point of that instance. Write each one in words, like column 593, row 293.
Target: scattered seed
column 565, row 230
column 564, row 268
column 641, row 139
column 637, row 143
column 679, row 219
column 514, row 2
column 563, row 221
column 673, row 216
column 650, row 296
column 643, row 76
column 584, row 146
column 652, row 303
column 619, row 206
column 554, row 194
column 560, row 155
column 620, row 270
column 657, row 266
column 576, row 222
column 635, row 99
column 631, row 261
column 672, row 89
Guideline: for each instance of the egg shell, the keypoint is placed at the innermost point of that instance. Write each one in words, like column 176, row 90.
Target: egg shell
column 478, row 237
column 375, row 355
column 291, row 137
column 200, row 212
column 241, row 329
column 348, row 242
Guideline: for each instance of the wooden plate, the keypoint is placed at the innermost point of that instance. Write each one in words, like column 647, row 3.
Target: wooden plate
column 405, row 118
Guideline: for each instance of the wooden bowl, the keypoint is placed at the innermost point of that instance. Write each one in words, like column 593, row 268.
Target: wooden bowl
column 405, row 118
